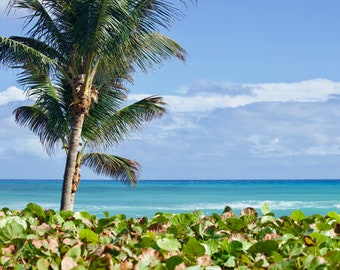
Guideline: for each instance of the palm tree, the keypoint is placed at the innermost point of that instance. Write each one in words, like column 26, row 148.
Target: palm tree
column 106, row 125
column 88, row 44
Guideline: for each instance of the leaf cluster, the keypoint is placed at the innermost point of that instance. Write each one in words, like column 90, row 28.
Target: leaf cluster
column 35, row 238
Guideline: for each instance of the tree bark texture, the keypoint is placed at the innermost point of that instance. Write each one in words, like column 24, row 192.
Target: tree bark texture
column 67, row 200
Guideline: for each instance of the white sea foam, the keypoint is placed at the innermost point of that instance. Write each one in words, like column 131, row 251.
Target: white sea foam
column 274, row 205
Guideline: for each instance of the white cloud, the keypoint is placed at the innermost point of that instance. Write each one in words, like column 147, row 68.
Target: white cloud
column 11, row 94
column 306, row 91
column 29, row 145
column 205, row 96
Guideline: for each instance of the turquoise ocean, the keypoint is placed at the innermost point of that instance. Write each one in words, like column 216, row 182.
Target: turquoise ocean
column 178, row 196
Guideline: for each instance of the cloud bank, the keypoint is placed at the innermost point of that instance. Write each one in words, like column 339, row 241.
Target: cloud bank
column 228, row 130
column 221, row 130
column 205, row 96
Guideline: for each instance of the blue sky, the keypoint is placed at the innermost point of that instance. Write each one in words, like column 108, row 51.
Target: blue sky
column 258, row 98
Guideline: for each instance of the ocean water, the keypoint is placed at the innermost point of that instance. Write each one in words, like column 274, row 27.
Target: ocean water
column 178, row 196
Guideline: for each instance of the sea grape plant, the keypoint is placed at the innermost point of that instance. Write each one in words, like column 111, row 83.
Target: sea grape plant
column 36, row 238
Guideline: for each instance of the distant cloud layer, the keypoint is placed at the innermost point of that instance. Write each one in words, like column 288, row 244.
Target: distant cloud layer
column 219, row 130
column 205, row 96
column 247, row 130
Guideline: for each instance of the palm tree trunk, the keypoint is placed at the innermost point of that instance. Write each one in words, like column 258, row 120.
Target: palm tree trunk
column 73, row 195
column 76, row 179
column 67, row 200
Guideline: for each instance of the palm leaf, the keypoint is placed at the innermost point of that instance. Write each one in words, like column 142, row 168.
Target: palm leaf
column 113, row 128
column 149, row 15
column 47, row 118
column 45, row 27
column 14, row 53
column 154, row 48
column 110, row 100
column 123, row 169
column 39, row 122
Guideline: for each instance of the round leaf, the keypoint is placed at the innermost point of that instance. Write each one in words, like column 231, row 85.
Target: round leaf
column 88, row 236
column 169, row 244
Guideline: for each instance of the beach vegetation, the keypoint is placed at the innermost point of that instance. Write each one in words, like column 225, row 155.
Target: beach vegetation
column 35, row 238
column 88, row 45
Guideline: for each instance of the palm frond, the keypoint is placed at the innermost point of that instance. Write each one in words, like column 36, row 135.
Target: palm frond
column 125, row 170
column 110, row 100
column 42, row 47
column 153, row 49
column 149, row 15
column 147, row 109
column 47, row 117
column 15, row 54
column 111, row 129
column 129, row 37
column 103, row 16
column 39, row 122
column 65, row 96
column 45, row 19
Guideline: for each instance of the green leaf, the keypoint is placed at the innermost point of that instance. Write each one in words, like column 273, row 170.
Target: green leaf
column 43, row 264
column 146, row 242
column 169, row 244
column 82, row 267
column 12, row 231
column 334, row 215
column 181, row 219
column 193, row 248
column 287, row 237
column 84, row 215
column 265, row 209
column 267, row 219
column 265, row 247
column 120, row 217
column 230, row 262
column 235, row 224
column 4, row 222
column 291, row 249
column 235, row 248
column 211, row 246
column 66, row 214
column 69, row 226
column 172, row 262
column 323, row 226
column 36, row 210
column 276, row 256
column 20, row 267
column 298, row 215
column 120, row 226
column 88, row 236
column 216, row 267
column 195, row 267
column 318, row 237
column 74, row 252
